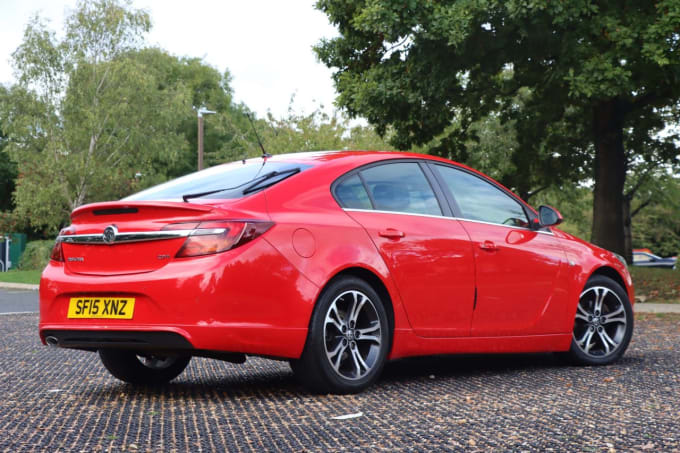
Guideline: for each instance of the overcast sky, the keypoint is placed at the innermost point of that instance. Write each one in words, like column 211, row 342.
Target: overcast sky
column 265, row 44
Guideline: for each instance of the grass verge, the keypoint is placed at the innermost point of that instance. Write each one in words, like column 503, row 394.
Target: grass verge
column 656, row 284
column 14, row 276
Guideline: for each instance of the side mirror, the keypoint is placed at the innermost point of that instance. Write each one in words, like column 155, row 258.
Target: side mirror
column 549, row 216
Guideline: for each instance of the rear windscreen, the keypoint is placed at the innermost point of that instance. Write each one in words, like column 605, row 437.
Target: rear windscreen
column 234, row 177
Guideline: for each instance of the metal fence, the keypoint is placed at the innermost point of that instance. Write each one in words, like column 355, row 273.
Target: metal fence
column 5, row 245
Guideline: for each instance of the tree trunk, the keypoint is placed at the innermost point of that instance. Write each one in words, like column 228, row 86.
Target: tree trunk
column 610, row 176
column 627, row 230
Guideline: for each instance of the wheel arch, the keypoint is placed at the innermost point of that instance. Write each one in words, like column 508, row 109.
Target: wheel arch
column 611, row 273
column 376, row 283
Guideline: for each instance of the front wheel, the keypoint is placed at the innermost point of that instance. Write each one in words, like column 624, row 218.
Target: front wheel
column 348, row 341
column 603, row 325
column 143, row 368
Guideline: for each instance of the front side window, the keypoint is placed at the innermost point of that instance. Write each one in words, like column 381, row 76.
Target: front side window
column 401, row 187
column 481, row 200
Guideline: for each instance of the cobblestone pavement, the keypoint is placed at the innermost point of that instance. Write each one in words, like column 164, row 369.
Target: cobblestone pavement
column 59, row 400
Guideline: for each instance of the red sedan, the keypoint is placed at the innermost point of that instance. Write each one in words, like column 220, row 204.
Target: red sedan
column 336, row 261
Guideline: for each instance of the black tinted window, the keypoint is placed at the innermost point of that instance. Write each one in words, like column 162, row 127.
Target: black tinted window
column 401, row 187
column 351, row 194
column 235, row 175
column 480, row 200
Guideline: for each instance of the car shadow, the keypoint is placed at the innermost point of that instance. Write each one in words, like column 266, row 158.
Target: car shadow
column 466, row 365
column 280, row 382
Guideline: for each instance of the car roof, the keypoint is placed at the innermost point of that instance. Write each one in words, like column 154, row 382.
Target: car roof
column 360, row 157
column 645, row 253
column 312, row 157
column 347, row 159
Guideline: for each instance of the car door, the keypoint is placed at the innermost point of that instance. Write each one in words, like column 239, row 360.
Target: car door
column 521, row 273
column 427, row 251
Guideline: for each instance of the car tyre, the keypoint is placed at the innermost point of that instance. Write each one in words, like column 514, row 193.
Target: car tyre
column 142, row 369
column 603, row 324
column 348, row 340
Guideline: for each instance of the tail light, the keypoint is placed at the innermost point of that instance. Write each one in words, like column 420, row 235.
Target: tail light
column 57, row 254
column 212, row 237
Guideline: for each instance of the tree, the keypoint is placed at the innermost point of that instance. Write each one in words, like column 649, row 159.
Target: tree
column 227, row 132
column 8, row 169
column 654, row 202
column 658, row 231
column 316, row 131
column 88, row 114
column 597, row 73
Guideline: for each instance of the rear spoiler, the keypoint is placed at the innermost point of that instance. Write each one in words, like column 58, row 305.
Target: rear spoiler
column 132, row 207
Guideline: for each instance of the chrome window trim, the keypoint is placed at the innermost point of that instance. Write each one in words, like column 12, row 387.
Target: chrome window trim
column 452, row 218
column 398, row 212
column 507, row 226
column 135, row 236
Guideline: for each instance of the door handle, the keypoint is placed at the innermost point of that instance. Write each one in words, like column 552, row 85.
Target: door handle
column 391, row 233
column 488, row 246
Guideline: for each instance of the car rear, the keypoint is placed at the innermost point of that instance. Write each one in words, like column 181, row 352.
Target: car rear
column 154, row 275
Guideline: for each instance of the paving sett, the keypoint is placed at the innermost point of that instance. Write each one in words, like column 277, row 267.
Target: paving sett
column 60, row 400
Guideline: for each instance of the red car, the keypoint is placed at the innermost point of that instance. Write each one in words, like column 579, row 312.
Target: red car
column 336, row 261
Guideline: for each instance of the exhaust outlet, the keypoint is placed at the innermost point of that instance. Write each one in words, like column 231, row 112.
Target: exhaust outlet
column 52, row 341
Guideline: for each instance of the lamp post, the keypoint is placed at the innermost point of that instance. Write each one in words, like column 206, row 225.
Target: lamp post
column 200, row 112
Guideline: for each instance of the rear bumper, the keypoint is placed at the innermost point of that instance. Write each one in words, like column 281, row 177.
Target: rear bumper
column 92, row 340
column 141, row 342
column 248, row 300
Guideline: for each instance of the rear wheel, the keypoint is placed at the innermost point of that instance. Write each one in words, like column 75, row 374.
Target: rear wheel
column 603, row 325
column 348, row 340
column 138, row 368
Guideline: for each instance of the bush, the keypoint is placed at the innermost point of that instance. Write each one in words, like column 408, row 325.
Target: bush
column 36, row 256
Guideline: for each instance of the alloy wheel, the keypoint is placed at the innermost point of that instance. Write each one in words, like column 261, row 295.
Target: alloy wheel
column 601, row 321
column 156, row 362
column 352, row 335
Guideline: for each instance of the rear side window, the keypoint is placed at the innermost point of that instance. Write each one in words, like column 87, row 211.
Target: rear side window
column 401, row 187
column 351, row 194
column 481, row 200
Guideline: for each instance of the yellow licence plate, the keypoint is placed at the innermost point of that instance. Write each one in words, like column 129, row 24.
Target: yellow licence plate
column 101, row 307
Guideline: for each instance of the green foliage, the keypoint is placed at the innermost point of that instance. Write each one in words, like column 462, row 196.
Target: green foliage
column 226, row 133
column 36, row 256
column 97, row 116
column 576, row 80
column 574, row 203
column 316, row 131
column 8, row 174
column 658, row 230
column 8, row 169
column 87, row 114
